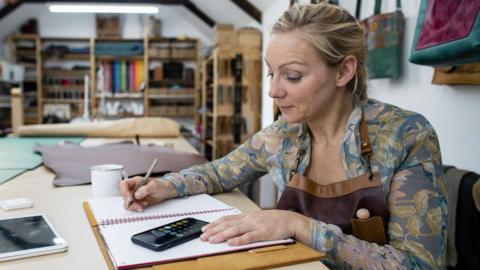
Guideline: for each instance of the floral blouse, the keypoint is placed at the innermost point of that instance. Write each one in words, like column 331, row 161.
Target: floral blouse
column 407, row 156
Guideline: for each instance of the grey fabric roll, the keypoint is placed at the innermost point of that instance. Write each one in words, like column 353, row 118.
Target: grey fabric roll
column 72, row 162
column 453, row 179
column 476, row 194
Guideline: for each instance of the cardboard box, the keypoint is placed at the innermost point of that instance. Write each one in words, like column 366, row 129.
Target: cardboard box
column 183, row 53
column 163, row 52
column 224, row 35
column 249, row 37
column 158, row 73
column 108, row 26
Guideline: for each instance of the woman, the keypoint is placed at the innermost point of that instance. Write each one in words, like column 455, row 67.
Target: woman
column 332, row 153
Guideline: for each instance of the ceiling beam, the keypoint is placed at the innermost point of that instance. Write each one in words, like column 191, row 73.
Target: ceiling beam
column 206, row 19
column 249, row 9
column 7, row 9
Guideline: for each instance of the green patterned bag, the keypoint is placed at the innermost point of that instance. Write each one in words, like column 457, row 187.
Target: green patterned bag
column 384, row 41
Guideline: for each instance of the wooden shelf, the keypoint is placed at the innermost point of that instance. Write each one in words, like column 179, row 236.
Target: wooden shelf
column 119, row 57
column 120, row 40
column 169, row 81
column 25, row 52
column 65, row 57
column 28, row 65
column 63, row 87
column 159, row 58
column 62, row 100
column 171, row 96
column 19, row 37
column 63, row 39
column 120, row 95
column 172, row 40
column 60, row 72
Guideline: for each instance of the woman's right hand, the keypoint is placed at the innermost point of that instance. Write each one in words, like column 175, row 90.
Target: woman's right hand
column 153, row 192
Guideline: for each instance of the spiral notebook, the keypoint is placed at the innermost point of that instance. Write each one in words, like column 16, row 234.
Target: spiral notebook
column 116, row 225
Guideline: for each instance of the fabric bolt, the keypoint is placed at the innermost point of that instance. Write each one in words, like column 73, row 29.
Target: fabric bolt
column 136, row 159
column 453, row 180
column 407, row 157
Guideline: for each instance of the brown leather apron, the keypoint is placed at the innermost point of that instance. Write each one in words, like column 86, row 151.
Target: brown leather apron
column 337, row 203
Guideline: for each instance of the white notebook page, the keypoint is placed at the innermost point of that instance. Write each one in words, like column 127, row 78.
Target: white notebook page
column 125, row 254
column 110, row 209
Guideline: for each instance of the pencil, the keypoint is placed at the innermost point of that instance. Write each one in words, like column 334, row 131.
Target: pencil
column 143, row 182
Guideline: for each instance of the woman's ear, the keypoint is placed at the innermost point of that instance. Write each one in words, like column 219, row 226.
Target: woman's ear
column 346, row 70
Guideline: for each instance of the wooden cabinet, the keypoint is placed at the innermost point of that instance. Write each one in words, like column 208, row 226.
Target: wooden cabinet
column 231, row 77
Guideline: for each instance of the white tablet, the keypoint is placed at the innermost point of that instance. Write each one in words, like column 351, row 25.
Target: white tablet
column 28, row 236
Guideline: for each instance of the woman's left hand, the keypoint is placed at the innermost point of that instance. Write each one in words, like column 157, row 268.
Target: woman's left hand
column 255, row 226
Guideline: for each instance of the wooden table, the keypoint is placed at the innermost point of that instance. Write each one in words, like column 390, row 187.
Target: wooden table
column 63, row 206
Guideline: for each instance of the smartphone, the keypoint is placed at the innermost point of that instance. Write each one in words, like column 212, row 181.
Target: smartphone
column 170, row 235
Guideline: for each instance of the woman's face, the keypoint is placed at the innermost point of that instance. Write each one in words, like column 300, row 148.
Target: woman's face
column 301, row 83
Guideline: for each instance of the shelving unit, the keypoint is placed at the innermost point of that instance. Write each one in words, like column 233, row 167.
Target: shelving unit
column 25, row 51
column 5, row 107
column 173, row 79
column 117, row 85
column 219, row 91
column 54, row 78
column 64, row 64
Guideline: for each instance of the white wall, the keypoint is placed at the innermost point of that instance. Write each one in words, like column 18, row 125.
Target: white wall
column 453, row 110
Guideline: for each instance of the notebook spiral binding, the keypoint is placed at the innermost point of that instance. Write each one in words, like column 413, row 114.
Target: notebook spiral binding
column 113, row 221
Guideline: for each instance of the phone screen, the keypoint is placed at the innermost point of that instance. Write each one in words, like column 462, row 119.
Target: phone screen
column 169, row 235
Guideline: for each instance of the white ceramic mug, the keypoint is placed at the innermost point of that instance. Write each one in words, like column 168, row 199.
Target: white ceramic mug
column 106, row 178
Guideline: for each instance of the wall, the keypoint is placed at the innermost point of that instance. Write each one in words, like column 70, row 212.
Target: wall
column 453, row 110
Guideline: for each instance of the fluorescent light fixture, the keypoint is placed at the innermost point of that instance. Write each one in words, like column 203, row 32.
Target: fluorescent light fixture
column 102, row 8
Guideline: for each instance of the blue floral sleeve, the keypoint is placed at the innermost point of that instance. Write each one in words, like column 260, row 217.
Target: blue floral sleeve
column 247, row 162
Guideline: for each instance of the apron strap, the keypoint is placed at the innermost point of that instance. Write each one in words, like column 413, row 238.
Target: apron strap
column 365, row 145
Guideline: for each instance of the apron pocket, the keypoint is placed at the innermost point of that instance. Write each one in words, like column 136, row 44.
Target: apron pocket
column 370, row 229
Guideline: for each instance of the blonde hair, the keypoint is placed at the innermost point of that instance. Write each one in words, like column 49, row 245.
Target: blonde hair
column 334, row 33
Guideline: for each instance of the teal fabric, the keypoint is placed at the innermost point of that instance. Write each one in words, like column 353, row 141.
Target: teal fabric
column 119, row 48
column 17, row 153
column 453, row 53
column 6, row 175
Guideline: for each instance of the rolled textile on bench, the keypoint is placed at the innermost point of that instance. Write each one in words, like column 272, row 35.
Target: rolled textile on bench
column 127, row 127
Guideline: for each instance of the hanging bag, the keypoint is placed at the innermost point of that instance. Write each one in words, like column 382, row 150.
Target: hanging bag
column 384, row 41
column 447, row 33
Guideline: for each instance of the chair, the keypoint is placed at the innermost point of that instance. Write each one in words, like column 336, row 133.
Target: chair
column 463, row 242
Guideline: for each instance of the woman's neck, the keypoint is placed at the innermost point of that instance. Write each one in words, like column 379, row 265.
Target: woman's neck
column 328, row 129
